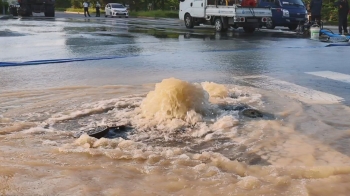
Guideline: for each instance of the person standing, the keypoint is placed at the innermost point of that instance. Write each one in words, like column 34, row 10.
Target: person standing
column 343, row 10
column 316, row 7
column 98, row 6
column 86, row 8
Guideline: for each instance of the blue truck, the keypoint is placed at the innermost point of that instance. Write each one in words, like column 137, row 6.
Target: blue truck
column 286, row 13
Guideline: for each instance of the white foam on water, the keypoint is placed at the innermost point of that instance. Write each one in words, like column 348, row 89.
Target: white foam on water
column 332, row 75
column 195, row 149
column 296, row 91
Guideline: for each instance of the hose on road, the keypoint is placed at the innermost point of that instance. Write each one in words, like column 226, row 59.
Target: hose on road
column 53, row 61
column 39, row 62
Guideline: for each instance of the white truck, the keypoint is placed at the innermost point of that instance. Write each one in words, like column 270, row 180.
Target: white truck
column 196, row 12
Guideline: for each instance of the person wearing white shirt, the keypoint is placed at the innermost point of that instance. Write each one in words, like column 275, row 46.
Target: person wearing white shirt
column 86, row 8
column 98, row 9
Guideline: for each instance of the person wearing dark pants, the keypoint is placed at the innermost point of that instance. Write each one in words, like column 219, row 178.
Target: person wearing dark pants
column 86, row 8
column 98, row 9
column 316, row 7
column 343, row 10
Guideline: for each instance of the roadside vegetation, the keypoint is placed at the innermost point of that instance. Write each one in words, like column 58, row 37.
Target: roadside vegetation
column 156, row 14
column 139, row 8
column 133, row 5
column 168, row 8
column 152, row 13
column 80, row 10
column 3, row 4
column 329, row 11
column 163, row 8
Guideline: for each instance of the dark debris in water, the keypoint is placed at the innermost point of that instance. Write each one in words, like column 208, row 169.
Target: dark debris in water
column 246, row 111
column 227, row 107
column 252, row 113
column 106, row 131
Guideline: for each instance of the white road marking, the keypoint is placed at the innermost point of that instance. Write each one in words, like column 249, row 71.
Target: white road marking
column 293, row 90
column 331, row 75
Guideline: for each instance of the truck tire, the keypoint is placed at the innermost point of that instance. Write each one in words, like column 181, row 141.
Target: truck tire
column 219, row 26
column 50, row 11
column 28, row 14
column 270, row 25
column 188, row 21
column 14, row 11
column 249, row 29
column 293, row 27
column 28, row 10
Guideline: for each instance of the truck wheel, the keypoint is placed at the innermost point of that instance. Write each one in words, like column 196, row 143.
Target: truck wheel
column 14, row 11
column 188, row 21
column 292, row 27
column 270, row 25
column 28, row 14
column 28, row 11
column 219, row 26
column 249, row 29
column 49, row 11
column 49, row 14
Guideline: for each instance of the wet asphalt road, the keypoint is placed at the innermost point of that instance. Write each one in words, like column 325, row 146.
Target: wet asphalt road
column 73, row 50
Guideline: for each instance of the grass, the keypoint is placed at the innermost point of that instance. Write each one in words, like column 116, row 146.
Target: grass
column 153, row 14
column 156, row 14
column 333, row 23
column 81, row 10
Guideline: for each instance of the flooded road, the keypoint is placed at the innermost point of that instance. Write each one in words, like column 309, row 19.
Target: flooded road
column 183, row 96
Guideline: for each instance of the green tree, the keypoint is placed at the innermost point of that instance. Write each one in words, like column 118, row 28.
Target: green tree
column 76, row 3
column 4, row 4
column 63, row 3
column 329, row 11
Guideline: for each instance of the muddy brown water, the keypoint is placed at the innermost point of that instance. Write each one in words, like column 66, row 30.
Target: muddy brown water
column 302, row 151
column 181, row 141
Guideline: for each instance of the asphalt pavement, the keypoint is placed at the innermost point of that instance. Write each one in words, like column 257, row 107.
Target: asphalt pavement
column 73, row 50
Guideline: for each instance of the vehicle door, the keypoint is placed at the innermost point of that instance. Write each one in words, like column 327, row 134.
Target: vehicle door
column 198, row 8
column 276, row 9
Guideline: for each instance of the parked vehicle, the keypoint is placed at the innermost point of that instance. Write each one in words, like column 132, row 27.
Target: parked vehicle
column 286, row 13
column 13, row 7
column 27, row 7
column 116, row 9
column 196, row 12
